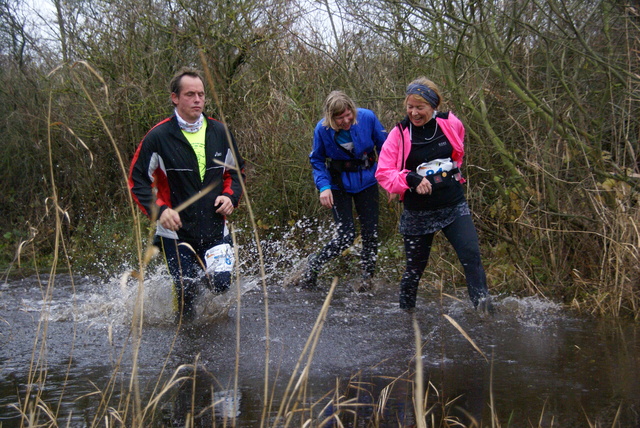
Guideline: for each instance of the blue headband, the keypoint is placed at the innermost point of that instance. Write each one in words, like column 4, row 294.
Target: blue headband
column 425, row 92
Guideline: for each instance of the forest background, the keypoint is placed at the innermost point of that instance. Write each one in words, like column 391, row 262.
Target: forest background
column 549, row 91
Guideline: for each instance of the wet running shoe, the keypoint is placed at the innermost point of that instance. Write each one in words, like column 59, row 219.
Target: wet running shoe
column 485, row 305
column 364, row 285
column 302, row 276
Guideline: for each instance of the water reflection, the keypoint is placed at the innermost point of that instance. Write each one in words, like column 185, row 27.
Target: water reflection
column 544, row 366
column 193, row 398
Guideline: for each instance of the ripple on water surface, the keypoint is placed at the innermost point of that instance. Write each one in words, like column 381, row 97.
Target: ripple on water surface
column 538, row 361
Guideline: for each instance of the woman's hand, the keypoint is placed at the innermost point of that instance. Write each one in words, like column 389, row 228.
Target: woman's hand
column 326, row 198
column 424, row 188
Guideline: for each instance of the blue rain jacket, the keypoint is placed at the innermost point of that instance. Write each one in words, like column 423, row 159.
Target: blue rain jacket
column 367, row 134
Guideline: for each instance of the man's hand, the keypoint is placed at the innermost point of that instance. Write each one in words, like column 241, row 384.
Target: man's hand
column 224, row 204
column 170, row 219
column 326, row 198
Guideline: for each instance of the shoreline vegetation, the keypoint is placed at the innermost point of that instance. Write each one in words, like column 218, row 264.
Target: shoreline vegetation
column 549, row 95
column 549, row 92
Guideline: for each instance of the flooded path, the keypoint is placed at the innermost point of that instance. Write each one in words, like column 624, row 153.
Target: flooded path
column 543, row 366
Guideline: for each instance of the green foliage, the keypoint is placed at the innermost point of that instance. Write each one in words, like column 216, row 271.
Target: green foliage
column 545, row 90
column 104, row 247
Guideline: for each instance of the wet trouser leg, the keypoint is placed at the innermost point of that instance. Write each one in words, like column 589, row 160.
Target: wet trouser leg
column 184, row 268
column 344, row 235
column 222, row 280
column 366, row 203
column 417, row 249
column 463, row 236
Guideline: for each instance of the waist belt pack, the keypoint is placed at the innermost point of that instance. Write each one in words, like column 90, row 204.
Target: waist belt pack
column 437, row 180
column 351, row 165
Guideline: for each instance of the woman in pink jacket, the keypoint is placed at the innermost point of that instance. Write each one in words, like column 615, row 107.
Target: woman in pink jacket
column 420, row 161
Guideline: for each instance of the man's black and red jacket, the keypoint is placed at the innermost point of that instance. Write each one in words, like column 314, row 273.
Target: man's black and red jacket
column 164, row 173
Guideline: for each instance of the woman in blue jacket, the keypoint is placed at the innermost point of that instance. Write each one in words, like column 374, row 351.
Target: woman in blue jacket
column 345, row 146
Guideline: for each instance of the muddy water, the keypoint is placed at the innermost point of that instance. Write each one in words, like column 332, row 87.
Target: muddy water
column 535, row 363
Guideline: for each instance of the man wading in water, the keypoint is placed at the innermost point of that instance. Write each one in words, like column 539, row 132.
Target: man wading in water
column 180, row 157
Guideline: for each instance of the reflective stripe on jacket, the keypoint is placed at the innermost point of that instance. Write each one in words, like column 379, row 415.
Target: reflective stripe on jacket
column 166, row 161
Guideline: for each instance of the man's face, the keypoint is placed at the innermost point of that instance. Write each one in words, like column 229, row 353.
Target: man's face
column 190, row 101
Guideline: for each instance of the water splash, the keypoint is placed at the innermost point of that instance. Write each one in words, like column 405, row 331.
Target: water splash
column 534, row 311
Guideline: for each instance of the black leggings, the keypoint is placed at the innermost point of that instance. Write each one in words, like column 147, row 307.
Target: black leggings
column 464, row 238
column 366, row 203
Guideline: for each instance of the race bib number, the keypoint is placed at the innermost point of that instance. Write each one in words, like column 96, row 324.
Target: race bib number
column 436, row 166
column 220, row 258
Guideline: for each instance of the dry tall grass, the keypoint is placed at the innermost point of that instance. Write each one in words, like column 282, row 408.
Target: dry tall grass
column 550, row 101
column 340, row 407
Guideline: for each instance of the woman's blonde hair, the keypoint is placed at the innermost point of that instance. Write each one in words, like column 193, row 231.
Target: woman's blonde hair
column 422, row 81
column 337, row 102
